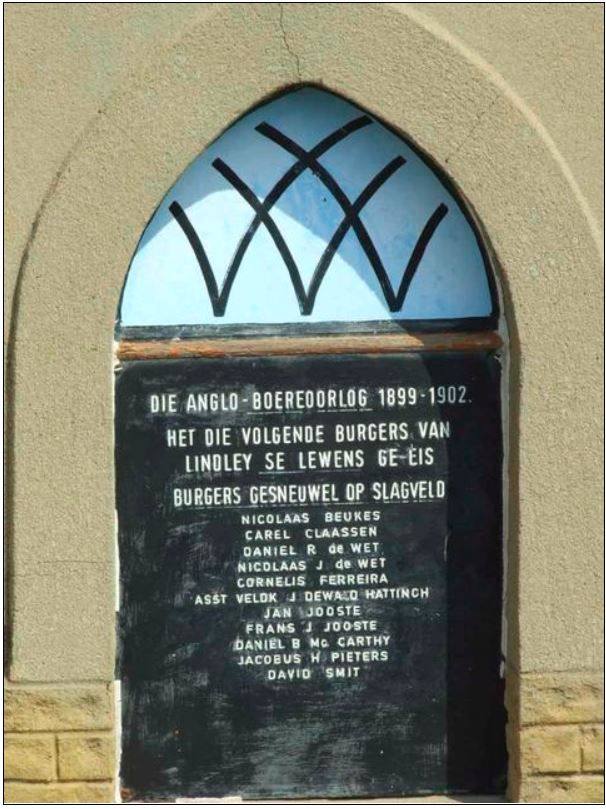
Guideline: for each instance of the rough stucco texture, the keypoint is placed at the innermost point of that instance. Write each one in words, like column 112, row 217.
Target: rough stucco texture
column 108, row 104
column 64, row 62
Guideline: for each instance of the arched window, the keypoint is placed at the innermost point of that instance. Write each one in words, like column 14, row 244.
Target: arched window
column 309, row 211
column 309, row 472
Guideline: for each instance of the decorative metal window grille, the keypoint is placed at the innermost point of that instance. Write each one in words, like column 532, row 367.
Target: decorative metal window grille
column 308, row 210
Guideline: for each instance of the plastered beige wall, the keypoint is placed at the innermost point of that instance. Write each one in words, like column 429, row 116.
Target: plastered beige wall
column 65, row 61
column 107, row 105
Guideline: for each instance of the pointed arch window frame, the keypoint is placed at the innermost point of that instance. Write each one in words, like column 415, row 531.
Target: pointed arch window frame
column 308, row 160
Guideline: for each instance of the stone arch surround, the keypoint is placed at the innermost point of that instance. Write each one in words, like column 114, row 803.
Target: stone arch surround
column 415, row 75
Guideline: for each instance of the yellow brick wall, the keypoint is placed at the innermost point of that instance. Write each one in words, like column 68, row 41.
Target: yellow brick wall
column 556, row 737
column 59, row 744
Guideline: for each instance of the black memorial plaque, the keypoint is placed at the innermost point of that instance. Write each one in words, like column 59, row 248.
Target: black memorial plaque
column 311, row 572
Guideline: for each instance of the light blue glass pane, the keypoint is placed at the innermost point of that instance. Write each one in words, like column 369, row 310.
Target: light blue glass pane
column 165, row 286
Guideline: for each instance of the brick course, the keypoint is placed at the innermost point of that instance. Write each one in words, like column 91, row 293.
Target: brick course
column 556, row 737
column 51, row 707
column 91, row 792
column 592, row 748
column 59, row 744
column 86, row 756
column 30, row 757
